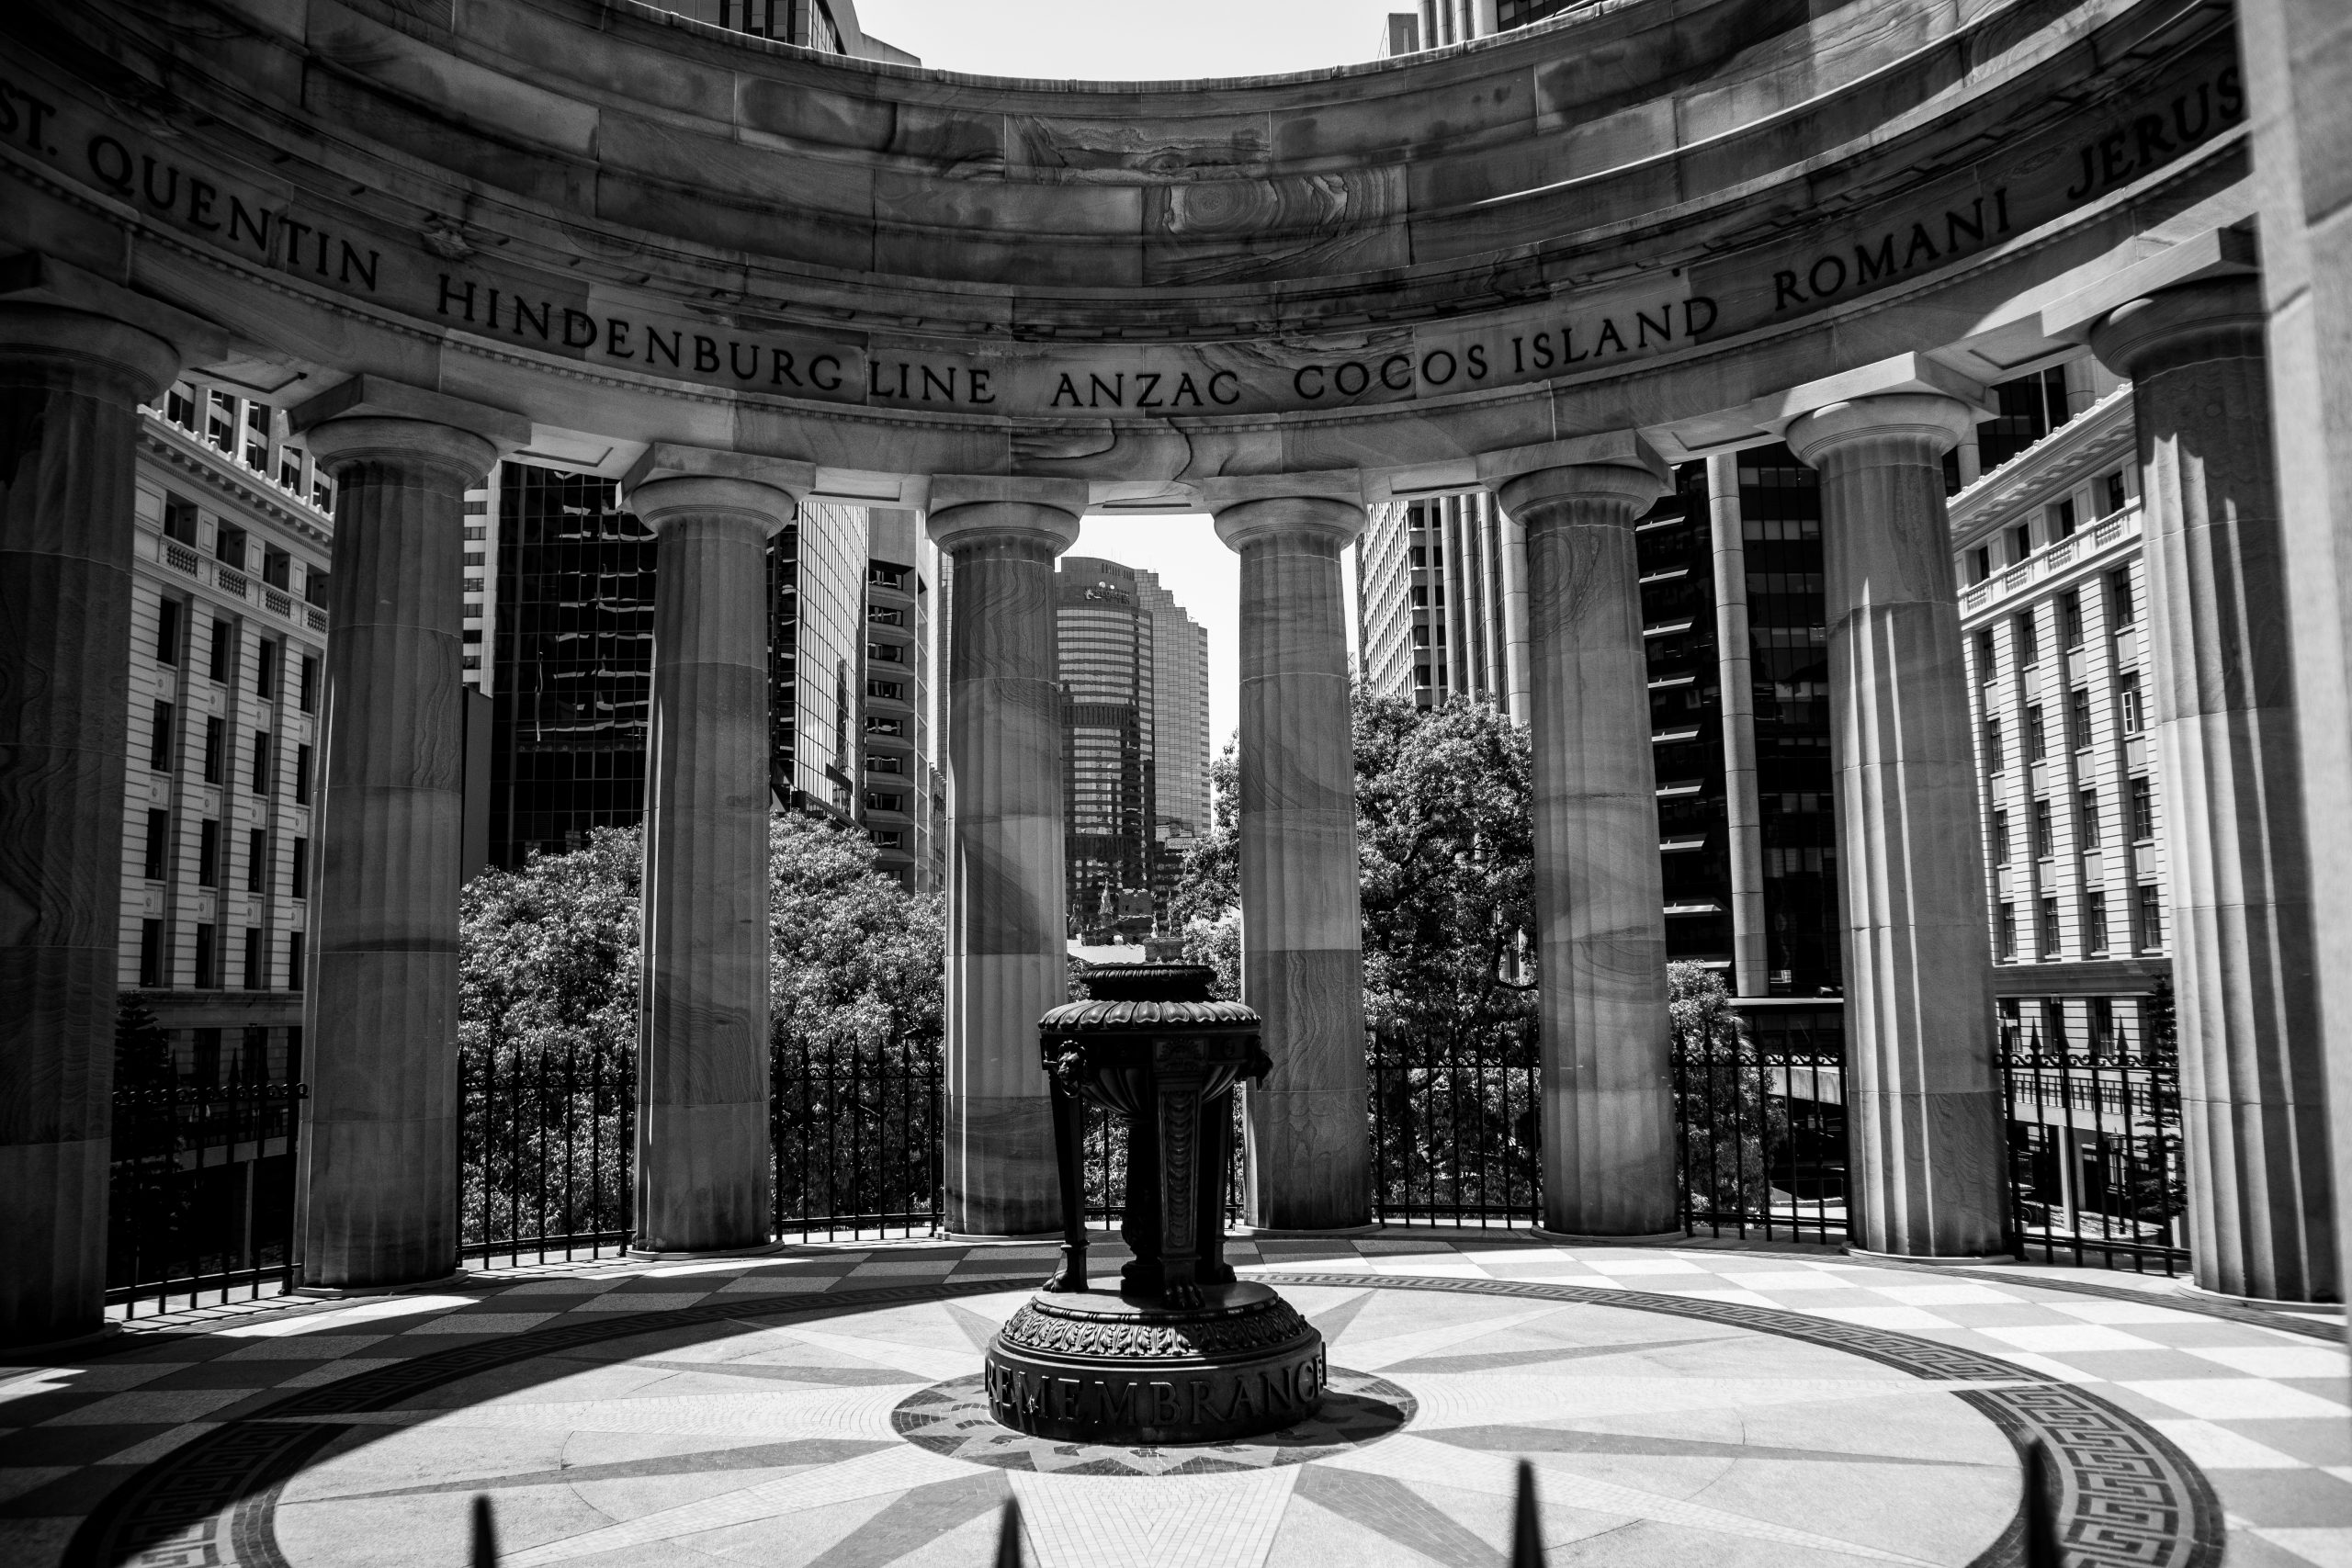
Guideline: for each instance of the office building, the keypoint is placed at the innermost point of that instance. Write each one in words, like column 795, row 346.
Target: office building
column 901, row 785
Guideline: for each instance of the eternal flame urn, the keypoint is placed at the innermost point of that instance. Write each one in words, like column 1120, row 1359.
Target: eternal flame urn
column 1181, row 1351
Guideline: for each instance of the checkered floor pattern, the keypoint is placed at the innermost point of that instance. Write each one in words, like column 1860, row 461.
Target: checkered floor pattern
column 2257, row 1398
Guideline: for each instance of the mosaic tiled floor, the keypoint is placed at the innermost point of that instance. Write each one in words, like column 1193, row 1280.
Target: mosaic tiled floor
column 811, row 1410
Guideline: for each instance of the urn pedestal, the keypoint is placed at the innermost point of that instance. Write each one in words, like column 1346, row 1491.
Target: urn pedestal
column 1177, row 1351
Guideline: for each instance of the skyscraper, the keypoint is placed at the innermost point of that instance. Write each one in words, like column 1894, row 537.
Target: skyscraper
column 899, row 780
column 1134, row 670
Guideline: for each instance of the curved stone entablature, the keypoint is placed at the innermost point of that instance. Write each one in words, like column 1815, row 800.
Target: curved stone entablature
column 1387, row 279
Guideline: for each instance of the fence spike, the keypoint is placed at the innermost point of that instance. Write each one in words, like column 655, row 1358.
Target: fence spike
column 485, row 1546
column 2042, row 1531
column 1527, row 1532
column 1008, row 1538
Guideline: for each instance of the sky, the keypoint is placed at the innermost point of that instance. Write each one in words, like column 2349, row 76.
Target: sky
column 1124, row 41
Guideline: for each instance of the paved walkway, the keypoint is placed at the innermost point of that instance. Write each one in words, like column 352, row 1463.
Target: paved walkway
column 1708, row 1403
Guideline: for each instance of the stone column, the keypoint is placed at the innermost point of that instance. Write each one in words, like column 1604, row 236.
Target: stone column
column 71, row 383
column 1609, row 1155
column 1750, row 956
column 1302, row 924
column 2252, row 1065
column 1922, row 1098
column 378, row 1192
column 1007, row 935
column 704, row 1173
column 1512, row 547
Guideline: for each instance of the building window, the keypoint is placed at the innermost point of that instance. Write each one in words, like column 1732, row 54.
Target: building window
column 2133, row 717
column 2044, row 837
column 2149, row 918
column 277, row 567
column 2102, row 1009
column 2000, row 838
column 256, row 867
column 884, row 800
column 1980, row 563
column 214, row 733
column 229, row 544
column 2008, row 931
column 208, row 854
column 888, row 838
column 886, row 652
column 2070, row 619
column 294, row 961
column 224, row 644
column 179, row 405
column 309, row 699
column 266, row 670
column 2029, row 644
column 2118, row 597
column 159, row 743
column 885, row 764
column 891, row 576
column 179, row 520
column 301, row 776
column 208, row 958
column 2095, row 922
column 2078, row 717
column 2086, row 820
column 884, row 615
column 1994, row 761
column 2062, row 520
column 154, row 958
column 261, row 762
column 298, row 875
column 168, row 620
column 2112, row 492
column 2143, row 811
column 290, row 472
column 255, row 978
column 1421, row 678
column 885, row 726
column 159, row 845
column 2020, row 542
column 2037, row 743
column 314, row 586
column 2050, row 936
column 888, row 691
column 1984, row 653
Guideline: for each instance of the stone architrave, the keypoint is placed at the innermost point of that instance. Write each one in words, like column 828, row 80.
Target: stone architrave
column 1302, row 925
column 1600, row 909
column 70, row 383
column 1007, row 934
column 2252, row 1061
column 378, row 1192
column 1922, row 1096
column 703, row 1169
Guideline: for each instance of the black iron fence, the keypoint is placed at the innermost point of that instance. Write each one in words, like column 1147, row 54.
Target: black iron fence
column 855, row 1132
column 201, row 1207
column 546, row 1140
column 1456, row 1126
column 2096, row 1173
column 1760, row 1115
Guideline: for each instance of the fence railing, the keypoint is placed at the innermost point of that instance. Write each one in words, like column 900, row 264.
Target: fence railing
column 200, row 1206
column 1762, row 1131
column 546, row 1144
column 1456, row 1126
column 2096, row 1172
column 855, row 1133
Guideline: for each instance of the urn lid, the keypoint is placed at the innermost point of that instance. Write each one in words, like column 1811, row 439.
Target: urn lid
column 1102, row 1017
column 1146, row 982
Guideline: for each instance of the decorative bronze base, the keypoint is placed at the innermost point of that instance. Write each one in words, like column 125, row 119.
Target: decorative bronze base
column 1090, row 1367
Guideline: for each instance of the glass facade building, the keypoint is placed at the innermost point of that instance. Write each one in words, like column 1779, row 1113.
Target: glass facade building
column 1104, row 658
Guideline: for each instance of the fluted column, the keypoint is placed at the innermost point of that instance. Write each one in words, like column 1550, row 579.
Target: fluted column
column 704, row 1173
column 2253, row 1097
column 1599, row 904
column 1744, row 831
column 1302, row 925
column 379, row 1141
column 1512, row 544
column 71, row 383
column 1923, row 1109
column 1007, row 939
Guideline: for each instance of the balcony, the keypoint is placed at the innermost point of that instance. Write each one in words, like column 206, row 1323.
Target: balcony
column 2054, row 559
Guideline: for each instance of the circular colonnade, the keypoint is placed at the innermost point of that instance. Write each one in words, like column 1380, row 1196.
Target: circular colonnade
column 738, row 276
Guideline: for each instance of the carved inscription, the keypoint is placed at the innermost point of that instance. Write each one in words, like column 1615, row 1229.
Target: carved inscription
column 1021, row 1397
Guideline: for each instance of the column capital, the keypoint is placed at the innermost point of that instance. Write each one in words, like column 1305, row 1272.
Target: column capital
column 1930, row 416
column 660, row 503
column 976, row 525
column 667, row 461
column 54, row 311
column 1608, row 493
column 1298, row 518
column 371, row 417
column 2210, row 318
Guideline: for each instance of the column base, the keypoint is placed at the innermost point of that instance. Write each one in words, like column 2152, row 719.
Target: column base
column 339, row 1293
column 2191, row 1289
column 1652, row 1239
column 1275, row 1233
column 1952, row 1260
column 764, row 1250
column 977, row 1238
